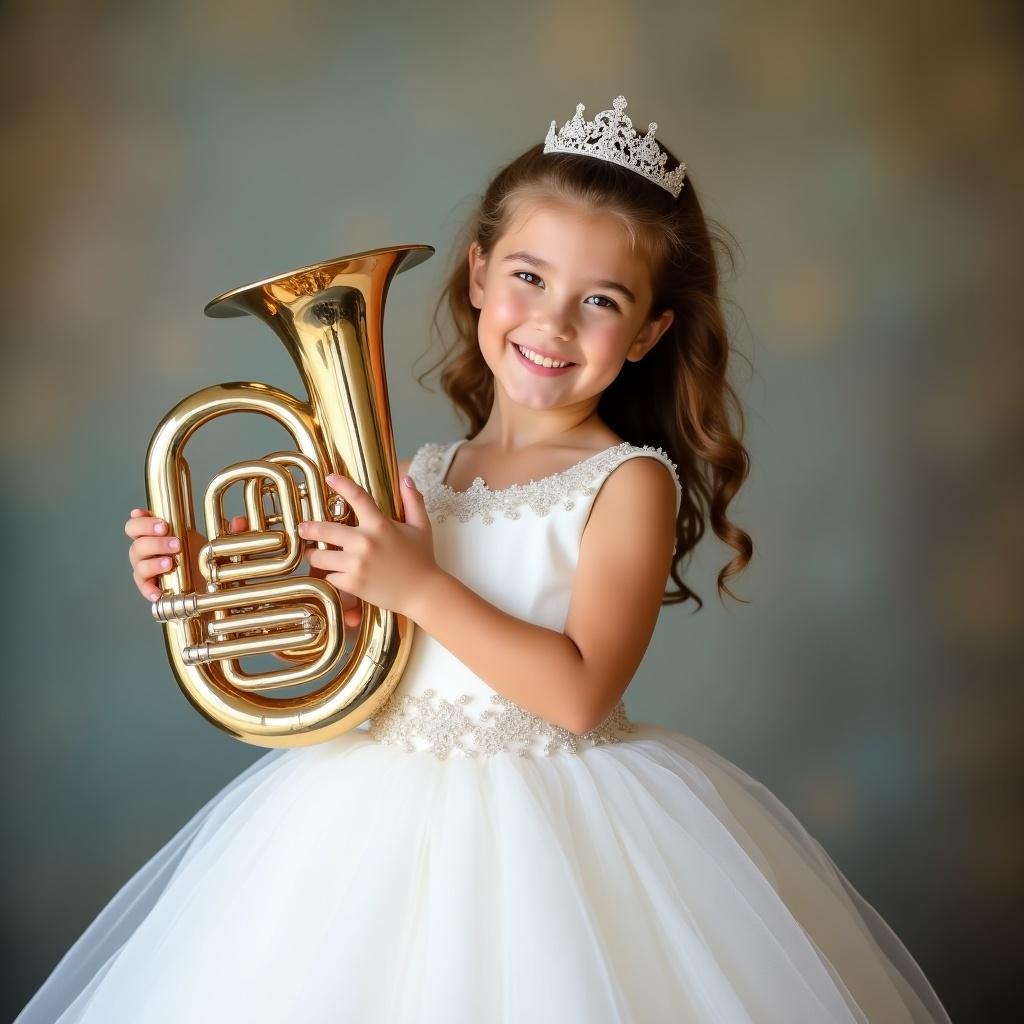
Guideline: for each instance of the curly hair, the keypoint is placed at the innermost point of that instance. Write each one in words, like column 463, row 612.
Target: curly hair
column 677, row 396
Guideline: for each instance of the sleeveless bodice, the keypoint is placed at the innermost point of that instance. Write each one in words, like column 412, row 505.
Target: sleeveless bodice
column 517, row 547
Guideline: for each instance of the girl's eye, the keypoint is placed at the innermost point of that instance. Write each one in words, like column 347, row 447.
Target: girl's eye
column 520, row 274
column 611, row 303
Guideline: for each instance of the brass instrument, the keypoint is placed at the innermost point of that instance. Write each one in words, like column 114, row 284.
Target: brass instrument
column 329, row 317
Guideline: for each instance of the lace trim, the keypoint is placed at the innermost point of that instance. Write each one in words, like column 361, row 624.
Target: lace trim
column 541, row 496
column 444, row 725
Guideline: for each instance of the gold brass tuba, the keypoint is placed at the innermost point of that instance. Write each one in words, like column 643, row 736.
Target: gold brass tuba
column 329, row 318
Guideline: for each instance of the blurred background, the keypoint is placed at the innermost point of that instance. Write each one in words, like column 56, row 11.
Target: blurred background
column 864, row 157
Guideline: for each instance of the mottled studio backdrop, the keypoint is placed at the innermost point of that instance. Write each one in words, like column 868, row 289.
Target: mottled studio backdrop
column 867, row 158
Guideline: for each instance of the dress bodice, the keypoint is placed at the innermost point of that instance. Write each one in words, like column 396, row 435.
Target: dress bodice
column 517, row 547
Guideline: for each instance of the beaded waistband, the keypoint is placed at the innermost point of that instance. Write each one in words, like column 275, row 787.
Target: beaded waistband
column 426, row 722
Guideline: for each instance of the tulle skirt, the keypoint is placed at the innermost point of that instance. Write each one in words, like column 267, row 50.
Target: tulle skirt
column 649, row 880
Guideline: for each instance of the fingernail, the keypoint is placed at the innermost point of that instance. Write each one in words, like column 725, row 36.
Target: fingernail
column 173, row 544
column 154, row 595
column 160, row 527
column 408, row 481
column 165, row 563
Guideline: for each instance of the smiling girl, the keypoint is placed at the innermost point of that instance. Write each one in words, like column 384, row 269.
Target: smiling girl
column 503, row 843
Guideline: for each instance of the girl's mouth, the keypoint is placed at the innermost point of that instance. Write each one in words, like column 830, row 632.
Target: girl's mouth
column 543, row 371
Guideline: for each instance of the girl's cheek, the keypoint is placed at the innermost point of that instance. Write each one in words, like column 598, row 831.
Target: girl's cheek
column 604, row 345
column 501, row 315
column 509, row 307
column 604, row 336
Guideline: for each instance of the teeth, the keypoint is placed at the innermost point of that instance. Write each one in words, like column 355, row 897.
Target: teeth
column 538, row 359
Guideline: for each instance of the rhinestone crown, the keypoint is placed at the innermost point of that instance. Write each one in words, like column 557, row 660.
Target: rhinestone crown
column 610, row 136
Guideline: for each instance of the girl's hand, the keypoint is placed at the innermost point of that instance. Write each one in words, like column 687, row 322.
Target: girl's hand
column 154, row 550
column 383, row 561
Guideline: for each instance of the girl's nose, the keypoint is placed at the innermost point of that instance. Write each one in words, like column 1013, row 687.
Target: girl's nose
column 553, row 320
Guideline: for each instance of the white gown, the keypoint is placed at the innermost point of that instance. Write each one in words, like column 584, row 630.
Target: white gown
column 459, row 860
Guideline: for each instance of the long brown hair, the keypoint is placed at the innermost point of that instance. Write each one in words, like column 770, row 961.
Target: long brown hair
column 677, row 396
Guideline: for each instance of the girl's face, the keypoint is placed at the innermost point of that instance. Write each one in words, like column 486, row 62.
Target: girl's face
column 563, row 284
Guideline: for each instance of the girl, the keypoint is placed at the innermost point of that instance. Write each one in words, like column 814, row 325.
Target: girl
column 503, row 844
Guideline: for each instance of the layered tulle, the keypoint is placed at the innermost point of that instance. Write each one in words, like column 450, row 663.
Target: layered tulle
column 648, row 880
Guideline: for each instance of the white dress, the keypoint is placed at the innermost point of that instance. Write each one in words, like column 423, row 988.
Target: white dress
column 459, row 860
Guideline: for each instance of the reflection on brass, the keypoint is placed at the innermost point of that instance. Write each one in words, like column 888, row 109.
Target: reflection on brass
column 249, row 600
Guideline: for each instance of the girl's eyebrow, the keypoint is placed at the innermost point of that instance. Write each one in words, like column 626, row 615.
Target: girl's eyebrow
column 536, row 261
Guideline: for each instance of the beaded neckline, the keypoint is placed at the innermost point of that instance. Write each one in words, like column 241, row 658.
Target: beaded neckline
column 581, row 479
column 479, row 484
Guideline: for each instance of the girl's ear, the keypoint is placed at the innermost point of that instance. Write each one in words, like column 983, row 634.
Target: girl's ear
column 649, row 335
column 477, row 269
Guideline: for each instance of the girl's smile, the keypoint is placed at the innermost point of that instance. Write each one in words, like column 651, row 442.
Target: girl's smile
column 534, row 361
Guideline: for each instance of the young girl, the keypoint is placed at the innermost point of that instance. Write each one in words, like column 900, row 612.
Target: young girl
column 503, row 844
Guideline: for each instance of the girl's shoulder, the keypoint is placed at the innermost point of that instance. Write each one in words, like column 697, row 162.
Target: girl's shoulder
column 625, row 451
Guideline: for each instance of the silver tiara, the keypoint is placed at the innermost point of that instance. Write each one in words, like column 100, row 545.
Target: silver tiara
column 610, row 136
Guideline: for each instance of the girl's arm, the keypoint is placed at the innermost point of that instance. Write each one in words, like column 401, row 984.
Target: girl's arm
column 576, row 677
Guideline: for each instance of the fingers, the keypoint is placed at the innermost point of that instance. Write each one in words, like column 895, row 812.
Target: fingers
column 333, row 559
column 151, row 546
column 238, row 524
column 321, row 563
column 152, row 552
column 365, row 507
column 336, row 534
column 145, row 575
column 152, row 549
column 143, row 522
column 149, row 557
column 352, row 607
